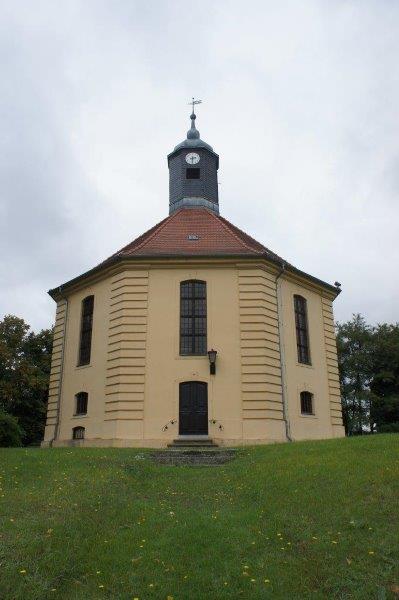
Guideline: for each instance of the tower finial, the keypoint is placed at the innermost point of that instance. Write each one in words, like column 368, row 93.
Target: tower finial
column 194, row 102
column 193, row 133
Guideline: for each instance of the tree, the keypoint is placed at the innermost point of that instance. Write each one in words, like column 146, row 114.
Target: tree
column 10, row 432
column 354, row 345
column 24, row 375
column 368, row 359
column 384, row 384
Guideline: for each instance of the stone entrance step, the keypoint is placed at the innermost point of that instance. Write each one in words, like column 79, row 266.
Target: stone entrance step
column 199, row 457
column 193, row 442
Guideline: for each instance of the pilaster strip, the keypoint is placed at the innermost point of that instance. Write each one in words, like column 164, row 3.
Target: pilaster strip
column 126, row 358
column 332, row 362
column 261, row 385
column 56, row 363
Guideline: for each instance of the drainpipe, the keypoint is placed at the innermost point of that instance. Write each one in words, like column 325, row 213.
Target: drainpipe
column 282, row 354
column 57, row 419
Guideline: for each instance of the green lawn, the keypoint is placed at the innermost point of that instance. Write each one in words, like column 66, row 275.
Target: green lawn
column 303, row 520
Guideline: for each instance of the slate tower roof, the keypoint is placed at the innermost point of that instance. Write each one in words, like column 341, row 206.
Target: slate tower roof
column 193, row 179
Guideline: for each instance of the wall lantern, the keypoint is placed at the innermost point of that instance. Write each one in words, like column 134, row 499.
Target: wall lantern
column 212, row 361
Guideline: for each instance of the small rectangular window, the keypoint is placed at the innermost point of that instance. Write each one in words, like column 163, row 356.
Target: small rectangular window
column 192, row 173
column 302, row 333
column 81, row 403
column 307, row 403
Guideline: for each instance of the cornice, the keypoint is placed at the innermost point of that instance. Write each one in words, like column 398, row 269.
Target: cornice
column 119, row 264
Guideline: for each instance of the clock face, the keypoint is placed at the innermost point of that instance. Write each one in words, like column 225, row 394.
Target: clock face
column 192, row 158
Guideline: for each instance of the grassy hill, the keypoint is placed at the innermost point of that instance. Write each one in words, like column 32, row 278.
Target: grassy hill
column 303, row 520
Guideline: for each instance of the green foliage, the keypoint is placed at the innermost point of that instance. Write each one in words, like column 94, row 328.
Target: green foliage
column 24, row 375
column 303, row 521
column 384, row 384
column 389, row 428
column 354, row 345
column 10, row 432
column 368, row 360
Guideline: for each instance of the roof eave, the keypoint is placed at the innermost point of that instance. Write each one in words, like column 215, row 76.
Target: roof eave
column 58, row 291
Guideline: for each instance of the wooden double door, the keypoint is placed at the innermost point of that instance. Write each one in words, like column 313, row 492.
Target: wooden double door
column 193, row 408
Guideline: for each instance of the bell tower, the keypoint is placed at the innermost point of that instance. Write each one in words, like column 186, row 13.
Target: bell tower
column 193, row 167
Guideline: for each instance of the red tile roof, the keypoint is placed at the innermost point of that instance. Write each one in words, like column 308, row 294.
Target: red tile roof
column 194, row 232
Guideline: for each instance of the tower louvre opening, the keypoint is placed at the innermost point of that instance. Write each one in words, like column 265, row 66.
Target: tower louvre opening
column 192, row 173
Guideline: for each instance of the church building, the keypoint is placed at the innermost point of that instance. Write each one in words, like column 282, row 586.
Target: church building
column 193, row 331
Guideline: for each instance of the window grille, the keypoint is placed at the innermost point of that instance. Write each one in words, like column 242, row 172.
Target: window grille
column 302, row 333
column 193, row 326
column 78, row 433
column 81, row 403
column 86, row 331
column 307, row 403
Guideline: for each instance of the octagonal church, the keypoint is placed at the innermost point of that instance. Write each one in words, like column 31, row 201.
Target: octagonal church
column 193, row 331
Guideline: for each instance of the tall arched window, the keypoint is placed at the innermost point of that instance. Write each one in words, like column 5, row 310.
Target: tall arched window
column 86, row 327
column 193, row 317
column 81, row 403
column 78, row 433
column 302, row 332
column 307, row 407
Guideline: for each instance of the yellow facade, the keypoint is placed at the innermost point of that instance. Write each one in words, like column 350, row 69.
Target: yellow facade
column 135, row 370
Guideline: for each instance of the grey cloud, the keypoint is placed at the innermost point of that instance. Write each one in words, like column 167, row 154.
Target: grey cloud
column 300, row 101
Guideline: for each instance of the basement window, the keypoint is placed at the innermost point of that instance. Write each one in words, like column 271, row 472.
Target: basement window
column 78, row 433
column 192, row 173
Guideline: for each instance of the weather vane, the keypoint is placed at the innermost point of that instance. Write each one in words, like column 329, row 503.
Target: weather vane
column 194, row 102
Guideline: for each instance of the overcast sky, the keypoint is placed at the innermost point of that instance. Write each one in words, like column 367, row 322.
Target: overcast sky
column 300, row 100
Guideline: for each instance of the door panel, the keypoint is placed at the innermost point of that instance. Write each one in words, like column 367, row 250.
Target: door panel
column 193, row 408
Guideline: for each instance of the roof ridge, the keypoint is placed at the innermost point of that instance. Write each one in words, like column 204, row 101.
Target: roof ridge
column 229, row 227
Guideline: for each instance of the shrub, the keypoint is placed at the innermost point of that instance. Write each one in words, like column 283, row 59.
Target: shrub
column 10, row 431
column 389, row 428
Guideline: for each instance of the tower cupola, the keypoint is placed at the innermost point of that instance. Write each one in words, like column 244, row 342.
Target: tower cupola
column 193, row 167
